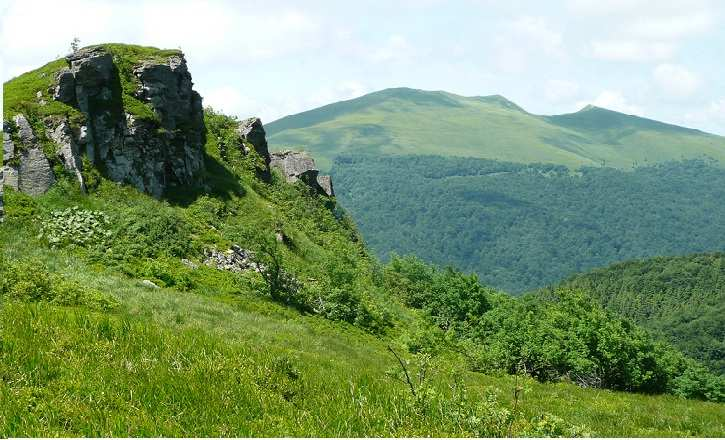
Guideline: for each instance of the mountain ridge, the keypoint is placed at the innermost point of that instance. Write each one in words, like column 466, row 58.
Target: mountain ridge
column 411, row 121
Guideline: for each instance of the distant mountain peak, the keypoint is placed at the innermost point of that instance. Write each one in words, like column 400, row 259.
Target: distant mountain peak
column 501, row 101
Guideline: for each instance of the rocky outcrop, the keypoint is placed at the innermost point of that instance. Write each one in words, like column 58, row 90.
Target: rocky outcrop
column 152, row 154
column 35, row 176
column 298, row 166
column 153, row 143
column 25, row 166
column 325, row 183
column 252, row 132
column 68, row 150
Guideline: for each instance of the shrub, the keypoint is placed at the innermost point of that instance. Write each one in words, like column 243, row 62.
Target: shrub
column 30, row 281
column 75, row 226
column 145, row 234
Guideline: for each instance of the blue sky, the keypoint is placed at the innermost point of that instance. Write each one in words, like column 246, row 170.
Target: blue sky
column 660, row 59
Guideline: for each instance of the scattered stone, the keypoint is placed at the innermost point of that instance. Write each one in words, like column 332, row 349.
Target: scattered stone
column 235, row 260
column 149, row 284
column 190, row 264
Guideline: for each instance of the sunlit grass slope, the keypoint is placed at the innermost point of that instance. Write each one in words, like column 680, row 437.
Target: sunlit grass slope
column 409, row 121
column 171, row 363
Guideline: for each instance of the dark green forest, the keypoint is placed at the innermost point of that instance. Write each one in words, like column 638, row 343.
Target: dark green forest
column 680, row 298
column 521, row 227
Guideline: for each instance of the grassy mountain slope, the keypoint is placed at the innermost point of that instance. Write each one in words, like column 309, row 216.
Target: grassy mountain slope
column 680, row 298
column 178, row 363
column 526, row 226
column 113, row 324
column 408, row 121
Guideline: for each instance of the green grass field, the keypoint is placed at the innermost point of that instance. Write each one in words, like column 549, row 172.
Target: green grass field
column 408, row 121
column 172, row 363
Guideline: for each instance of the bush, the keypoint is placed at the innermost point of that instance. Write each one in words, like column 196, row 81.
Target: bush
column 75, row 226
column 145, row 234
column 30, row 281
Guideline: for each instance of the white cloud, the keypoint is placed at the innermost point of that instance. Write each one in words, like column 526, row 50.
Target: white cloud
column 672, row 27
column 640, row 30
column 613, row 100
column 711, row 117
column 631, row 50
column 559, row 90
column 525, row 39
column 395, row 48
column 215, row 32
column 675, row 80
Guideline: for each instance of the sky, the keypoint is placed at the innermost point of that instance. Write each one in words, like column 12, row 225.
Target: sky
column 661, row 59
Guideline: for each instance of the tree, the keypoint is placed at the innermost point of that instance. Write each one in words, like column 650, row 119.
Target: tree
column 74, row 44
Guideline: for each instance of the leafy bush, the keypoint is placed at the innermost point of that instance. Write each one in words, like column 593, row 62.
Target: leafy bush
column 152, row 234
column 30, row 281
column 75, row 226
column 559, row 334
column 19, row 205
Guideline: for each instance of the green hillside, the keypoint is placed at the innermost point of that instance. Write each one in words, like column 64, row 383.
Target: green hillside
column 522, row 227
column 408, row 121
column 680, row 298
column 238, row 304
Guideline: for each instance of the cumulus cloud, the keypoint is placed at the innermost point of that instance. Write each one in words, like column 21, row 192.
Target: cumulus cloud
column 214, row 32
column 644, row 31
column 395, row 48
column 675, row 80
column 559, row 90
column 711, row 117
column 524, row 39
column 632, row 50
column 613, row 100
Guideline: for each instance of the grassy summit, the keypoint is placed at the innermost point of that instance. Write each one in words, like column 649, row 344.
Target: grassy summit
column 409, row 121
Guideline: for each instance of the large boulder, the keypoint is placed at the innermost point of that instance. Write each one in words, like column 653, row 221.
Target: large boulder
column 298, row 166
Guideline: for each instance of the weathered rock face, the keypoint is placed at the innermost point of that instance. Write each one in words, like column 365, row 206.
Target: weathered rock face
column 252, row 131
column 325, row 183
column 151, row 155
column 68, row 150
column 299, row 166
column 25, row 166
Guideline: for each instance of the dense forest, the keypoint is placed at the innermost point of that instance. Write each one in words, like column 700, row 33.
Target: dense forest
column 679, row 298
column 527, row 226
